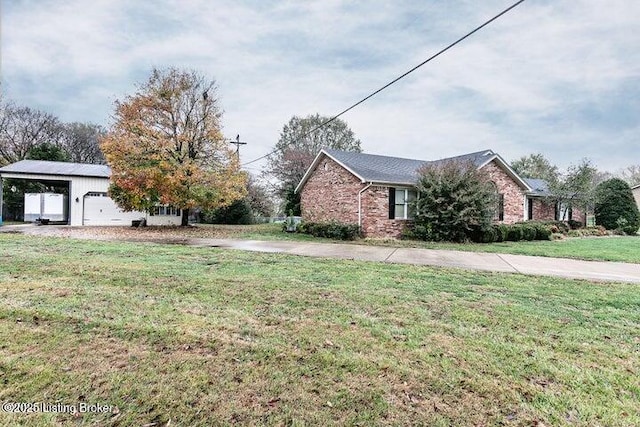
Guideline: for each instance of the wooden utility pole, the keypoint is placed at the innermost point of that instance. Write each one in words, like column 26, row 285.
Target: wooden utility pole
column 237, row 143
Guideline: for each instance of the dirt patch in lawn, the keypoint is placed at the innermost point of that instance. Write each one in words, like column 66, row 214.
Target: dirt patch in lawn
column 164, row 234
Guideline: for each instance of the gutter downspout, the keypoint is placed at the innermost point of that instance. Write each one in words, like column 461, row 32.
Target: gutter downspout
column 360, row 204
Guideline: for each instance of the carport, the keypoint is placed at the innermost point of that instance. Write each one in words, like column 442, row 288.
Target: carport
column 83, row 181
column 88, row 184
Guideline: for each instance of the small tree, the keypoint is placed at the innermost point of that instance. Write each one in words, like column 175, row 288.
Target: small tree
column 456, row 201
column 616, row 208
column 238, row 212
column 47, row 151
column 297, row 147
column 576, row 188
column 536, row 166
column 259, row 198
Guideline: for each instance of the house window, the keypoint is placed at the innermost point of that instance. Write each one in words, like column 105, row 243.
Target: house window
column 165, row 210
column 530, row 209
column 499, row 200
column 402, row 203
column 500, row 208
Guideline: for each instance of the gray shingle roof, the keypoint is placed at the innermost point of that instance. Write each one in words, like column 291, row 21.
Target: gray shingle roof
column 395, row 170
column 43, row 167
column 540, row 186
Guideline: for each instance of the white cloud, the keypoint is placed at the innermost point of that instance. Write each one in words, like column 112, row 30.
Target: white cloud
column 547, row 77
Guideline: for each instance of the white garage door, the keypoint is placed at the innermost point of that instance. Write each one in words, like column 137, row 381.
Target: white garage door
column 100, row 209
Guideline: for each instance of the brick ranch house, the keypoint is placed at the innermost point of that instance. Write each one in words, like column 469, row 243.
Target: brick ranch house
column 376, row 192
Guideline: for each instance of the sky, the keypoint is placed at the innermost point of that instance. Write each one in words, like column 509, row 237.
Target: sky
column 556, row 77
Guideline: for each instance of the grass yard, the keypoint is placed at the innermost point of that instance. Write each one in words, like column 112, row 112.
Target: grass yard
column 616, row 248
column 196, row 337
column 621, row 249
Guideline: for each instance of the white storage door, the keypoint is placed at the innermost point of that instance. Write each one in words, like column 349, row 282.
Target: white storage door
column 32, row 206
column 102, row 210
column 53, row 206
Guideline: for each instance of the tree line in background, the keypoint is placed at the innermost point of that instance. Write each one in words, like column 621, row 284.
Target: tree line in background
column 166, row 146
column 23, row 129
column 27, row 133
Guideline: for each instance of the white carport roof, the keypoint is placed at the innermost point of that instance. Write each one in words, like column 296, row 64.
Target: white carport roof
column 43, row 167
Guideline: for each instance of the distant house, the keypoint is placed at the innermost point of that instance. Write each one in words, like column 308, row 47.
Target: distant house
column 376, row 192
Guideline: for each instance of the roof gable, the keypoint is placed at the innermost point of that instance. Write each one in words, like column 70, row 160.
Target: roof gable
column 399, row 171
column 44, row 167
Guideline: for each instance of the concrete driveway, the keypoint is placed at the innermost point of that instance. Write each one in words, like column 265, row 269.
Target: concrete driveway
column 539, row 266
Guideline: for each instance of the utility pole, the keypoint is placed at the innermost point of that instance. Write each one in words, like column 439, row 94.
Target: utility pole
column 237, row 143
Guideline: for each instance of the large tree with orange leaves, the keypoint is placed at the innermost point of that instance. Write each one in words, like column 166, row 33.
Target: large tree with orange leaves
column 166, row 147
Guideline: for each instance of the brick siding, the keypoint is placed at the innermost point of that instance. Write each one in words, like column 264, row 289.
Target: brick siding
column 513, row 193
column 331, row 194
column 542, row 210
column 375, row 219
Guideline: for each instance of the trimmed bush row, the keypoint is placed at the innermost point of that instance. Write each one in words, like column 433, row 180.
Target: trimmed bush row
column 513, row 233
column 499, row 232
column 590, row 231
column 331, row 230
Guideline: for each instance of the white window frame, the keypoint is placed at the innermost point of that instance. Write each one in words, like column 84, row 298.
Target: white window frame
column 165, row 210
column 405, row 210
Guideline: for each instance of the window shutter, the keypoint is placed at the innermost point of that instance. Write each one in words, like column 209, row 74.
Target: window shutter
column 392, row 203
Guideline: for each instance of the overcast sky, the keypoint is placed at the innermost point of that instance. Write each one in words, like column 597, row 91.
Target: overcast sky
column 557, row 77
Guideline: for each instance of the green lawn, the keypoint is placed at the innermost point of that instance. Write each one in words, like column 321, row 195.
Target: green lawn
column 615, row 248
column 199, row 337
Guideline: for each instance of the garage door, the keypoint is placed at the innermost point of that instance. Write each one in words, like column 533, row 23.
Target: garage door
column 100, row 209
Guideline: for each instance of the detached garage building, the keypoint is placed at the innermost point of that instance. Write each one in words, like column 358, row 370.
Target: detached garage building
column 88, row 201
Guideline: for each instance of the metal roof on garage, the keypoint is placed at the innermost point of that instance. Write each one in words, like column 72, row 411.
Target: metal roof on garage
column 44, row 167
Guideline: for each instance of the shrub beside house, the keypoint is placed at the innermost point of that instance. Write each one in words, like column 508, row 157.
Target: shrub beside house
column 616, row 207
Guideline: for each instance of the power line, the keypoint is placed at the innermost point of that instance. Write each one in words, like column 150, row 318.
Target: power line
column 371, row 95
